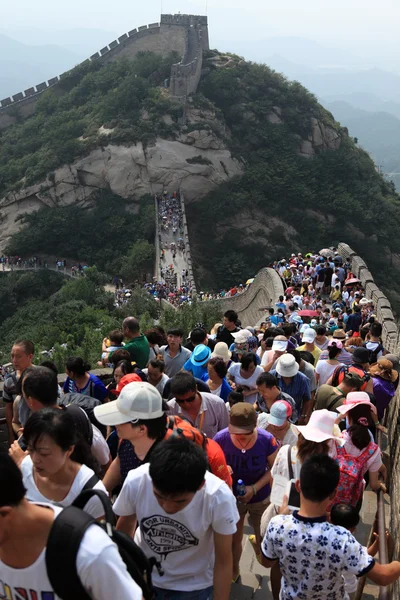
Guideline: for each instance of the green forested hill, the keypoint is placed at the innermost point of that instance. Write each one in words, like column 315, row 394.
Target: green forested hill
column 284, row 201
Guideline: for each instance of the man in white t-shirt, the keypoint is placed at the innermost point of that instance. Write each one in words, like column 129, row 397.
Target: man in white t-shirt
column 24, row 531
column 186, row 517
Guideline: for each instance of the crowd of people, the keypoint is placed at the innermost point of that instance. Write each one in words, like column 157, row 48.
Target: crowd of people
column 275, row 421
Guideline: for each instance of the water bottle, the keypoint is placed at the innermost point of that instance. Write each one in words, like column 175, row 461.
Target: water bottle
column 240, row 488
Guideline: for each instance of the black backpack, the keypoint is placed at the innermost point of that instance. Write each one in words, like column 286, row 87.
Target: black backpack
column 65, row 539
column 373, row 354
column 88, row 404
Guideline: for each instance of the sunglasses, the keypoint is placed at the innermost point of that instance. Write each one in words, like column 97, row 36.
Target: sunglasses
column 190, row 399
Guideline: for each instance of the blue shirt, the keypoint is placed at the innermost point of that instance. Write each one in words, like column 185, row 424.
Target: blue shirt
column 94, row 388
column 298, row 388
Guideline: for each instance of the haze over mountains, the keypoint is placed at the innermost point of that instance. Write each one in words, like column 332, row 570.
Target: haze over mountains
column 361, row 89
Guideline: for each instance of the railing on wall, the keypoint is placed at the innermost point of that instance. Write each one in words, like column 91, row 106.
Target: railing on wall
column 187, row 244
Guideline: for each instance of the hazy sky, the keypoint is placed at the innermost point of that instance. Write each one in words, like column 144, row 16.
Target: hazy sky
column 343, row 22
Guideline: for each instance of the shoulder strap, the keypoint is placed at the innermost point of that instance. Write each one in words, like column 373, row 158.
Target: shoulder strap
column 89, row 485
column 332, row 404
column 62, row 549
column 289, row 459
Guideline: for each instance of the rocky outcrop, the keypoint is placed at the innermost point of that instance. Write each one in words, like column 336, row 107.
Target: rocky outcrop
column 322, row 137
column 129, row 171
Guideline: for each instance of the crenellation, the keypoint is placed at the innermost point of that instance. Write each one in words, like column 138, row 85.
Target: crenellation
column 185, row 34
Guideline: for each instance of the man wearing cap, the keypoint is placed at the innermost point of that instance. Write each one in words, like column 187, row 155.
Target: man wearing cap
column 344, row 357
column 140, row 418
column 269, row 392
column 308, row 340
column 279, row 347
column 296, row 384
column 186, row 518
column 197, row 363
column 278, row 423
column 205, row 411
column 250, row 452
column 174, row 354
column 330, row 397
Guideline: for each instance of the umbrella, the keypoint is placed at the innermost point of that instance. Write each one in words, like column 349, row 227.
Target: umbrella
column 308, row 313
column 171, row 295
column 326, row 252
column 250, row 281
column 128, row 295
column 351, row 281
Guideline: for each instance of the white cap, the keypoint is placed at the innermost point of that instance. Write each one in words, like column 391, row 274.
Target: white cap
column 279, row 345
column 138, row 400
column 309, row 336
column 241, row 334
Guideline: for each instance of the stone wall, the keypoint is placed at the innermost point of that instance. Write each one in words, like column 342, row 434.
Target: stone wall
column 185, row 76
column 383, row 309
column 391, row 341
column 187, row 244
column 171, row 34
column 262, row 293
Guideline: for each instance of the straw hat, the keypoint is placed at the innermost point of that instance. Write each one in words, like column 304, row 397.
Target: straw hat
column 384, row 369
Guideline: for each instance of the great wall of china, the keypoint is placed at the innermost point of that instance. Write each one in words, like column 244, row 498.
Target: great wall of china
column 185, row 34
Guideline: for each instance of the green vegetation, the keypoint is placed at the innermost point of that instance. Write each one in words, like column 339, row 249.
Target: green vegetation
column 121, row 96
column 115, row 235
column 283, row 201
column 74, row 316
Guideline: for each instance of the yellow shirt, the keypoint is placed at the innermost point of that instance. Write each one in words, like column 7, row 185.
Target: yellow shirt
column 316, row 352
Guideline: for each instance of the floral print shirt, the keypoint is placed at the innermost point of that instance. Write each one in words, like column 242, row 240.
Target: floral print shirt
column 313, row 556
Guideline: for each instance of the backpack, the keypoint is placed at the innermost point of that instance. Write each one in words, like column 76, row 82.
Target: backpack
column 340, row 372
column 64, row 542
column 350, row 486
column 87, row 403
column 373, row 354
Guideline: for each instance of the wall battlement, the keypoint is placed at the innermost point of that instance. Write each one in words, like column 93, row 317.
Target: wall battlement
column 173, row 33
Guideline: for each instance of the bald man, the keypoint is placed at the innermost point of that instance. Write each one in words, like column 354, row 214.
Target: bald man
column 137, row 344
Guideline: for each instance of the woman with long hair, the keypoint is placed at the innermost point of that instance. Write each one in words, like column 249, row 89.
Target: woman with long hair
column 360, row 454
column 80, row 381
column 59, row 465
column 325, row 368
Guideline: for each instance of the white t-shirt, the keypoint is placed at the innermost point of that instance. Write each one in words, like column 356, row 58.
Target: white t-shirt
column 234, row 370
column 100, row 449
column 325, row 370
column 266, row 357
column 373, row 346
column 93, row 507
column 101, row 570
column 161, row 384
column 183, row 541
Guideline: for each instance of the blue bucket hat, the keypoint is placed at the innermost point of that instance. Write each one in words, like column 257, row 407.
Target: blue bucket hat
column 200, row 355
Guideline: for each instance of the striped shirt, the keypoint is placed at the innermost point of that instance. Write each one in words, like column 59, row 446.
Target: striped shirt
column 344, row 357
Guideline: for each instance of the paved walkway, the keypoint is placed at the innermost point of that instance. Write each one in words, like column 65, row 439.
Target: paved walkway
column 179, row 262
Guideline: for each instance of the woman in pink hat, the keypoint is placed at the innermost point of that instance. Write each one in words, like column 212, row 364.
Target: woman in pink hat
column 359, row 454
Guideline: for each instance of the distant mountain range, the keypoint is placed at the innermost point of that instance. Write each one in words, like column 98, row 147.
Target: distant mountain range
column 26, row 61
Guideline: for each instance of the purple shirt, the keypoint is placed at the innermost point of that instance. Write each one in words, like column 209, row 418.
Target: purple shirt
column 384, row 391
column 251, row 465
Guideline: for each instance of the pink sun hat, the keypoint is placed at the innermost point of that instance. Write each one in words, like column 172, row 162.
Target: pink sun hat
column 321, row 427
column 354, row 399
